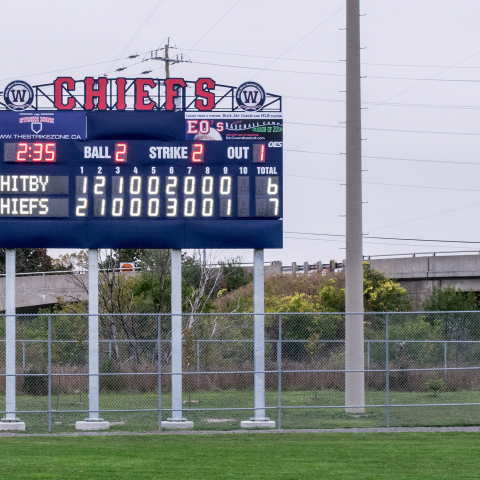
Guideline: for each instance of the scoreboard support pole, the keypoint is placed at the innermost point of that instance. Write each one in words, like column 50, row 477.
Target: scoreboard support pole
column 259, row 420
column 177, row 421
column 93, row 421
column 10, row 421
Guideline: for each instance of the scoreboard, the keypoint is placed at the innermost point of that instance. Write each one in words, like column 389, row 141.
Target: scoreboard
column 136, row 192
column 158, row 182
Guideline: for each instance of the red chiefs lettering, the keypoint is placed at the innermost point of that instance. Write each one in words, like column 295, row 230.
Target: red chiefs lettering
column 148, row 93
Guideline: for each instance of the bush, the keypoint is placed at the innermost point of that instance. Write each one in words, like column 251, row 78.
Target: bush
column 434, row 386
column 35, row 384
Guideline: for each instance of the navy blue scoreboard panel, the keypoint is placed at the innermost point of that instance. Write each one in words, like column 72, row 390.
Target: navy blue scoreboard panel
column 142, row 180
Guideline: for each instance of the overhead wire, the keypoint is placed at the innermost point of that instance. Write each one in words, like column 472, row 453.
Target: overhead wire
column 338, row 62
column 301, row 40
column 387, row 184
column 135, row 35
column 387, row 129
column 451, row 162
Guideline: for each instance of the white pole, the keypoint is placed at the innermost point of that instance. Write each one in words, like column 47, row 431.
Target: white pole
column 177, row 336
column 259, row 419
column 259, row 334
column 93, row 369
column 93, row 422
column 10, row 379
column 354, row 332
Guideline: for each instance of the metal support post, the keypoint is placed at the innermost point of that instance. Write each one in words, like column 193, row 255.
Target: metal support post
column 445, row 362
column 10, row 421
column 259, row 419
column 93, row 422
column 279, row 368
column 159, row 367
column 198, row 363
column 387, row 371
column 177, row 421
column 49, row 373
column 354, row 332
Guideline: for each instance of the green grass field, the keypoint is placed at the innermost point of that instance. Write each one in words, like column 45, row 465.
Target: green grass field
column 286, row 456
column 230, row 419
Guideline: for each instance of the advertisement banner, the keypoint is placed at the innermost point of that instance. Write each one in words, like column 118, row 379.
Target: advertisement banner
column 35, row 125
column 249, row 127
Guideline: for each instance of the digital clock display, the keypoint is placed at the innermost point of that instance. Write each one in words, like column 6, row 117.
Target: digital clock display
column 30, row 152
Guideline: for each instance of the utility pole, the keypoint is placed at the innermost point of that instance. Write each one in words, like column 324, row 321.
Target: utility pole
column 166, row 58
column 354, row 332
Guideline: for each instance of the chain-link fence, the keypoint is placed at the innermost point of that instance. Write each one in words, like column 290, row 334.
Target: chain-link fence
column 431, row 378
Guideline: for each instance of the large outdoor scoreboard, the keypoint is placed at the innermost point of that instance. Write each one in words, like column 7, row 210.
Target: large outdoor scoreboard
column 129, row 179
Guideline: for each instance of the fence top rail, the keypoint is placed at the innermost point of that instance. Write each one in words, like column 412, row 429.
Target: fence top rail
column 244, row 314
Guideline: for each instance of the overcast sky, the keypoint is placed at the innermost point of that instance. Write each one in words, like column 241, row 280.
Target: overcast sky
column 421, row 92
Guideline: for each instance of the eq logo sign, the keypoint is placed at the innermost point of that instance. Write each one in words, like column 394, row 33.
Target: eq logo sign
column 18, row 95
column 250, row 96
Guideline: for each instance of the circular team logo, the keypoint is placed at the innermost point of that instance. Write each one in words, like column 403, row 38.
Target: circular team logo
column 18, row 95
column 250, row 96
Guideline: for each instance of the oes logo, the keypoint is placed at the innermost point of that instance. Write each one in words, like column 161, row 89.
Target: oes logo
column 250, row 96
column 18, row 95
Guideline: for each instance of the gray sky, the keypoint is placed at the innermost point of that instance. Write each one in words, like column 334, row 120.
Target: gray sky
column 422, row 68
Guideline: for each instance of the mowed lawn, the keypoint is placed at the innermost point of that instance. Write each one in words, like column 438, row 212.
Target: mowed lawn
column 244, row 456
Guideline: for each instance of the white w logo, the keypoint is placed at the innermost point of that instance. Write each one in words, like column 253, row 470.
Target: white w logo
column 18, row 95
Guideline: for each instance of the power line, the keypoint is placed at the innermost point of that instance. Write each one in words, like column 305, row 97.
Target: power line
column 213, row 26
column 427, row 216
column 388, row 129
column 388, row 158
column 301, row 40
column 419, row 105
column 338, row 62
column 388, row 184
column 327, row 74
column 387, row 238
column 135, row 35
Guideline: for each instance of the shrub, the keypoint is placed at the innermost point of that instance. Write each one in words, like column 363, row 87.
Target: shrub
column 434, row 386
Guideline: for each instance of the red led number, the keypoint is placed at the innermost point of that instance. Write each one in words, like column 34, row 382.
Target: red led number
column 197, row 153
column 37, row 152
column 262, row 153
column 21, row 153
column 50, row 152
column 120, row 152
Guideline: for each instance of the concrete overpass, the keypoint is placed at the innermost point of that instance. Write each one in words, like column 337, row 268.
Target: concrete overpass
column 419, row 273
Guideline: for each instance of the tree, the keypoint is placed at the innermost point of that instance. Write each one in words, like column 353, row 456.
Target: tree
column 455, row 324
column 30, row 260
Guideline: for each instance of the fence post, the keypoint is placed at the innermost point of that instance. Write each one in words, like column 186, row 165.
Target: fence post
column 387, row 371
column 10, row 421
column 445, row 362
column 49, row 373
column 159, row 368
column 23, row 356
column 368, row 359
column 198, row 363
column 279, row 368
